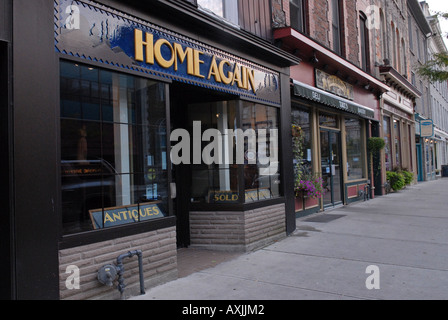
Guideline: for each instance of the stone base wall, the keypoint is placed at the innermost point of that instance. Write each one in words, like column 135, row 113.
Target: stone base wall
column 238, row 231
column 159, row 264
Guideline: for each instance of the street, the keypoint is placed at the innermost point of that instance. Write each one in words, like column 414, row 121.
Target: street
column 393, row 247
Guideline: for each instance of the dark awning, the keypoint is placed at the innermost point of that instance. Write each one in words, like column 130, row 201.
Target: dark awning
column 328, row 99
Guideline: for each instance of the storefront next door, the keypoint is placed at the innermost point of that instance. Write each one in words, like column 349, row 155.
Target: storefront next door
column 419, row 162
column 331, row 167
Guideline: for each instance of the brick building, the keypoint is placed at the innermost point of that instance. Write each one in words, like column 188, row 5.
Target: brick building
column 91, row 92
column 336, row 97
column 96, row 95
column 438, row 101
column 419, row 34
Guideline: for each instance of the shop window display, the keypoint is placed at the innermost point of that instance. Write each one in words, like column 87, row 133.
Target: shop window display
column 217, row 182
column 355, row 149
column 113, row 148
column 261, row 180
column 302, row 144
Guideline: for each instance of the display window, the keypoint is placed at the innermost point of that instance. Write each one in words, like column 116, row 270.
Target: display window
column 261, row 179
column 397, row 142
column 355, row 149
column 302, row 144
column 113, row 148
column 215, row 182
column 388, row 141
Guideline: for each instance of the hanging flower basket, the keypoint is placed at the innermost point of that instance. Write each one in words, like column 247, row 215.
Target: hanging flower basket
column 311, row 187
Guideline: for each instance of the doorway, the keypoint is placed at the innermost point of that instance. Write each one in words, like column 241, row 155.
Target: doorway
column 331, row 161
column 193, row 182
column 419, row 162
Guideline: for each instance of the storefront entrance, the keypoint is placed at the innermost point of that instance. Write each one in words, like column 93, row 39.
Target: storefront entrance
column 331, row 167
column 419, row 162
column 193, row 181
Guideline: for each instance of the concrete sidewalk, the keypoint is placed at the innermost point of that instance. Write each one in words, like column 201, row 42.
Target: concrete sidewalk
column 404, row 234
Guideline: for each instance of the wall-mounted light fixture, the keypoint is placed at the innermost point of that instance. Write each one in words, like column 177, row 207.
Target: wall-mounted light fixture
column 314, row 59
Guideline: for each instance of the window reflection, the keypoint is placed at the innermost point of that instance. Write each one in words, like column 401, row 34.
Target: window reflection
column 227, row 9
column 113, row 146
column 261, row 180
column 302, row 152
column 355, row 147
column 217, row 182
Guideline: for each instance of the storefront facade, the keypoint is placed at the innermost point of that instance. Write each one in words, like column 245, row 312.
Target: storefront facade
column 441, row 150
column 335, row 109
column 398, row 125
column 156, row 137
column 426, row 146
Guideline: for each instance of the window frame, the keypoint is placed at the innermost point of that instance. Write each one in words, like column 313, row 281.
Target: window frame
column 241, row 204
column 67, row 241
column 364, row 42
column 301, row 25
column 230, row 11
column 363, row 155
column 337, row 26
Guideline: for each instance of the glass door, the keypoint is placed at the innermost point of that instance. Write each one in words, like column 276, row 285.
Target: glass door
column 331, row 167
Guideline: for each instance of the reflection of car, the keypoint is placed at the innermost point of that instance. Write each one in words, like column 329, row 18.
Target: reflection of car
column 86, row 185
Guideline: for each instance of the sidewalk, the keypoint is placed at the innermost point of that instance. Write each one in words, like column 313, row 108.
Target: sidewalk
column 404, row 234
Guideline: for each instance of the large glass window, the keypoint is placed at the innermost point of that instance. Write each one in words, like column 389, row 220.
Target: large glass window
column 364, row 42
column 227, row 9
column 301, row 132
column 328, row 120
column 336, row 26
column 262, row 166
column 397, row 142
column 113, row 148
column 355, row 149
column 297, row 11
column 216, row 181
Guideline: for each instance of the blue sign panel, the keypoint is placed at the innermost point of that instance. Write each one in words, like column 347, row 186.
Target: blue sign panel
column 94, row 32
column 426, row 128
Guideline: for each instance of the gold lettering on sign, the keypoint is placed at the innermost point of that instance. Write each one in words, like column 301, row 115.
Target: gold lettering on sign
column 334, row 85
column 169, row 55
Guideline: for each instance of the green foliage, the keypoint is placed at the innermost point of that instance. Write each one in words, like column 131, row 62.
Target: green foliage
column 396, row 180
column 408, row 177
column 434, row 70
column 298, row 152
column 375, row 144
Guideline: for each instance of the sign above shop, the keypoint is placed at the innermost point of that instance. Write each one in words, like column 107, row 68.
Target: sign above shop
column 326, row 98
column 334, row 85
column 426, row 128
column 90, row 31
column 118, row 216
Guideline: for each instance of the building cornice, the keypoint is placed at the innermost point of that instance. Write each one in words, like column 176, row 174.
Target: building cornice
column 394, row 79
column 325, row 59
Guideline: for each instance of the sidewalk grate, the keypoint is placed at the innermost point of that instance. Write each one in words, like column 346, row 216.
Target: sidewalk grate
column 325, row 218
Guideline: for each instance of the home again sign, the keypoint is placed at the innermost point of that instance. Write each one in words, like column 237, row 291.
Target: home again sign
column 94, row 32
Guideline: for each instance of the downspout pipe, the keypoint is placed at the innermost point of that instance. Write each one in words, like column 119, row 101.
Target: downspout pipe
column 120, row 268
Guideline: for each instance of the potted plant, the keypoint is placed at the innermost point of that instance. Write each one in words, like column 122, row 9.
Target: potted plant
column 310, row 186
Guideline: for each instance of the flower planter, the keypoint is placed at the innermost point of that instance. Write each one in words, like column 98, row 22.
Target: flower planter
column 298, row 204
column 311, row 203
column 304, row 202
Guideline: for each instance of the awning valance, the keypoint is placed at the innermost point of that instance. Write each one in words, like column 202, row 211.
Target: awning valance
column 331, row 100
